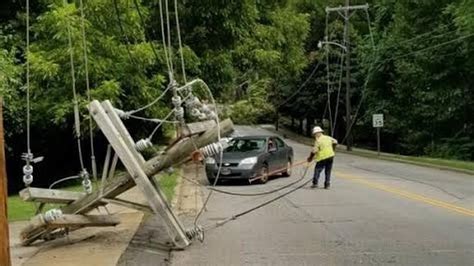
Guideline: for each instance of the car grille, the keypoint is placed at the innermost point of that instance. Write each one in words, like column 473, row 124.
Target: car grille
column 229, row 164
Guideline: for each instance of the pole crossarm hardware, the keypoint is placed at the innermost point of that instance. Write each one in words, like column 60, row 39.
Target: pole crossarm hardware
column 346, row 8
column 320, row 44
column 139, row 172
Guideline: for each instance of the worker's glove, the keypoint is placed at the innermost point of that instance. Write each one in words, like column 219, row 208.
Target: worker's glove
column 310, row 157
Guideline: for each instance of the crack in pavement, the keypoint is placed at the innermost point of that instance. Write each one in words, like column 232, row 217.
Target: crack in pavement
column 408, row 179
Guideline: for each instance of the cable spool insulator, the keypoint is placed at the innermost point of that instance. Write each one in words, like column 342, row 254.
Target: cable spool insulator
column 212, row 116
column 193, row 102
column 87, row 185
column 196, row 232
column 27, row 179
column 52, row 215
column 84, row 174
column 176, row 100
column 214, row 148
column 205, row 109
column 28, row 169
column 179, row 113
column 195, row 112
column 143, row 144
column 27, row 174
column 122, row 114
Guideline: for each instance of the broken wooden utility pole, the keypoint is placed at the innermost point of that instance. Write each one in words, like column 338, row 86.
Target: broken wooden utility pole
column 139, row 172
column 4, row 235
column 347, row 15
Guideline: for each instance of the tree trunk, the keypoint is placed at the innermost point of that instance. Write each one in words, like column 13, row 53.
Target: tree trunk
column 277, row 121
column 309, row 125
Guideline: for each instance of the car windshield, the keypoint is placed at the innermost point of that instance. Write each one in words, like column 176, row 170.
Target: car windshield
column 246, row 145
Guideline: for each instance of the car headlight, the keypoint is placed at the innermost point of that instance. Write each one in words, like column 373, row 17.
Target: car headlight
column 250, row 160
column 210, row 160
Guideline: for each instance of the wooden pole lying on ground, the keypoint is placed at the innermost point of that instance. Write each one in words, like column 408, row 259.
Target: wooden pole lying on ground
column 4, row 235
column 142, row 171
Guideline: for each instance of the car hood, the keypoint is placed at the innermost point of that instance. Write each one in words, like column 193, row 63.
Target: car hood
column 235, row 157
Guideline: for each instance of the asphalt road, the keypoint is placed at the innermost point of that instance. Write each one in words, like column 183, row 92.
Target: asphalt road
column 376, row 213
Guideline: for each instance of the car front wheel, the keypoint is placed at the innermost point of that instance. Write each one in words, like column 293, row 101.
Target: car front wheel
column 289, row 165
column 264, row 174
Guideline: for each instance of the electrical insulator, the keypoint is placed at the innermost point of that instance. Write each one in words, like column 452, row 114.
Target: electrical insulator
column 193, row 102
column 202, row 116
column 195, row 232
column 214, row 148
column 27, row 179
column 28, row 168
column 212, row 116
column 143, row 144
column 205, row 109
column 195, row 112
column 122, row 114
column 28, row 174
column 52, row 215
column 87, row 185
column 179, row 113
column 176, row 100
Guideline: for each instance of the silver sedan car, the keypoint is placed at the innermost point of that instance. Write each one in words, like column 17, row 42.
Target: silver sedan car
column 251, row 158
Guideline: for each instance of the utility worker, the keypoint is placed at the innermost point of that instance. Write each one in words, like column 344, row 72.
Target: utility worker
column 323, row 153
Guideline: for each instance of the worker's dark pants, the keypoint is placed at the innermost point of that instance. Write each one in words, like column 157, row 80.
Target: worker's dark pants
column 325, row 165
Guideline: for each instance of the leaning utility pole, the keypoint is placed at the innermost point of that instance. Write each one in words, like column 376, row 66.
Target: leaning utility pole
column 347, row 8
column 4, row 236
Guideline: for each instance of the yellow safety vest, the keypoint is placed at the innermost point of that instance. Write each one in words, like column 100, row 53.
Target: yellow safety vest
column 323, row 148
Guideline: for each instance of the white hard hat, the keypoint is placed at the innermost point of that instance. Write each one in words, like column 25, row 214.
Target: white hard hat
column 317, row 130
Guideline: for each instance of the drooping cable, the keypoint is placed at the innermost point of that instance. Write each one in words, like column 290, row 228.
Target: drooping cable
column 63, row 180
column 122, row 31
column 178, row 28
column 160, row 124
column 232, row 193
column 327, row 74
column 301, row 86
column 163, row 38
column 77, row 122
column 142, row 21
column 157, row 99
column 341, row 68
column 28, row 106
column 196, row 219
column 170, row 53
column 86, row 70
column 240, row 214
column 370, row 28
column 28, row 155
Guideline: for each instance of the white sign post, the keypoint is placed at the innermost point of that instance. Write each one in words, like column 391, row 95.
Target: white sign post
column 377, row 122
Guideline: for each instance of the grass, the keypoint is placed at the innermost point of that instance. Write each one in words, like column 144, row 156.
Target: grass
column 168, row 182
column 19, row 210
column 441, row 162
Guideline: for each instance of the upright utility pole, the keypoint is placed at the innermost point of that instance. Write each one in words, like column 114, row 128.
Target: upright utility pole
column 348, row 76
column 347, row 15
column 4, row 235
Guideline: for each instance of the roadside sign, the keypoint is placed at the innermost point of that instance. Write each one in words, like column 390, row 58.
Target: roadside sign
column 377, row 120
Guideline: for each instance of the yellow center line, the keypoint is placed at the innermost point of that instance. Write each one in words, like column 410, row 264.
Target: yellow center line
column 409, row 195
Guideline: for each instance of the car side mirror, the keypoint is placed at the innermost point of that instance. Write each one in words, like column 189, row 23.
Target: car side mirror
column 272, row 149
